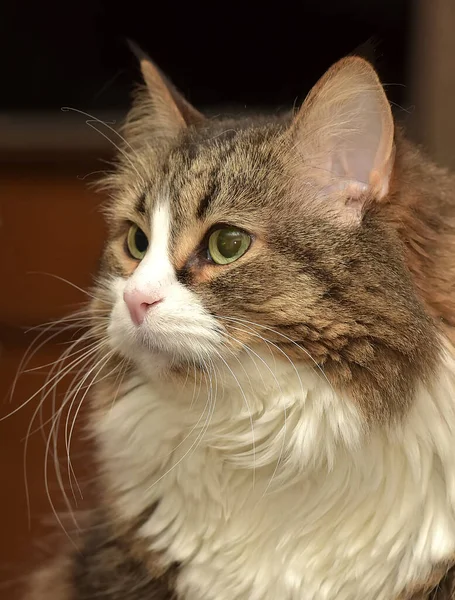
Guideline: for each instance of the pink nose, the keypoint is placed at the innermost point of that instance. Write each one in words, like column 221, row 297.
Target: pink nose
column 139, row 302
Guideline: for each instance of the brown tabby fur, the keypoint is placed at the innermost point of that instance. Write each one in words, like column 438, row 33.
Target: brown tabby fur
column 103, row 563
column 440, row 586
column 364, row 303
column 343, row 311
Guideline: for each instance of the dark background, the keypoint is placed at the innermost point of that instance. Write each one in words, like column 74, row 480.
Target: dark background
column 60, row 53
column 55, row 54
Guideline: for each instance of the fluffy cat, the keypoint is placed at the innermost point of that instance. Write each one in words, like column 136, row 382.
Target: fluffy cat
column 278, row 295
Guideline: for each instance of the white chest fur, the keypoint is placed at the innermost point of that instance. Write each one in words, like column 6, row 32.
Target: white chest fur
column 319, row 509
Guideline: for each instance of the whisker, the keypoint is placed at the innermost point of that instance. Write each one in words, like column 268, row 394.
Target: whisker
column 27, row 401
column 249, row 411
column 319, row 368
column 63, row 280
column 58, row 365
column 104, row 361
column 53, row 389
column 54, row 435
column 194, row 443
column 123, row 368
column 250, row 351
column 121, row 151
column 195, row 399
column 28, row 355
column 284, row 428
column 54, row 362
column 57, row 416
column 93, row 118
column 48, row 494
column 61, row 373
column 85, row 314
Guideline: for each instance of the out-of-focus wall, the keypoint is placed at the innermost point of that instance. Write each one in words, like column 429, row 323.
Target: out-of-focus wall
column 432, row 78
column 50, row 227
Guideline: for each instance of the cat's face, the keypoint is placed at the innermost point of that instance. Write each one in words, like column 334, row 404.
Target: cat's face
column 228, row 237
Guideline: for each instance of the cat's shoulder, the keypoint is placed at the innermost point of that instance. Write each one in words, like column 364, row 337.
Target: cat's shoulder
column 100, row 562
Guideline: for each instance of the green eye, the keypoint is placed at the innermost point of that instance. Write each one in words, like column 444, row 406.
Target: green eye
column 227, row 245
column 137, row 242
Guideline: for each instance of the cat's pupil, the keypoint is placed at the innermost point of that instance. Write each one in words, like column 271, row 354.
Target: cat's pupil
column 229, row 243
column 140, row 240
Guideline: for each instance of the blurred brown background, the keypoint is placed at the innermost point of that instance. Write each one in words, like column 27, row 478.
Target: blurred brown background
column 224, row 58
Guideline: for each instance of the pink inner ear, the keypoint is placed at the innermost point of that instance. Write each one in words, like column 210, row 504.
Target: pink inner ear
column 360, row 142
column 345, row 130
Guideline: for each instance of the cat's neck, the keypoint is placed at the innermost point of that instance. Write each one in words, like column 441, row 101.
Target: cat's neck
column 290, row 458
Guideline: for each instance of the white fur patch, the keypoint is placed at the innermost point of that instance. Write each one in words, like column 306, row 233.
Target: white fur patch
column 318, row 509
column 155, row 269
column 179, row 327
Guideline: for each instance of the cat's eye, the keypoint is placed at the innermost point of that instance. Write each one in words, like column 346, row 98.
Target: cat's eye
column 227, row 245
column 137, row 242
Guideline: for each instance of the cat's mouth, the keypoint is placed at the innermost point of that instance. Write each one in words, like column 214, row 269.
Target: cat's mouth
column 165, row 339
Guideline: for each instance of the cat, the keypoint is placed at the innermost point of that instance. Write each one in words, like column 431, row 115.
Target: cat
column 278, row 295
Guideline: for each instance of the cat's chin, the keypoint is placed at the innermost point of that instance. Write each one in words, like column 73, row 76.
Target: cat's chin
column 151, row 359
column 154, row 364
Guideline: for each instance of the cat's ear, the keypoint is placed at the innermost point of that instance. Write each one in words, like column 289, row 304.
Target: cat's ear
column 166, row 106
column 344, row 134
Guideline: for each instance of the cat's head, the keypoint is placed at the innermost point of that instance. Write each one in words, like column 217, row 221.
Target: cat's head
column 231, row 237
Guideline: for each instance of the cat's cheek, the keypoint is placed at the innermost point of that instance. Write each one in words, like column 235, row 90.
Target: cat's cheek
column 121, row 330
